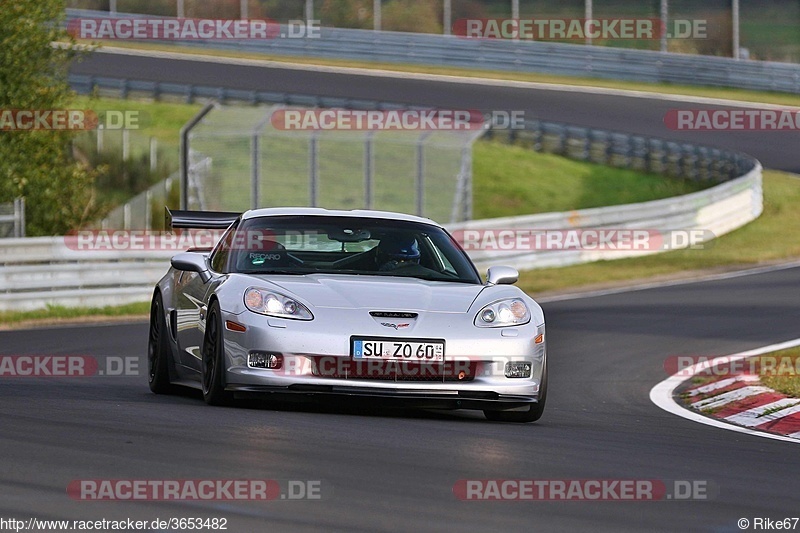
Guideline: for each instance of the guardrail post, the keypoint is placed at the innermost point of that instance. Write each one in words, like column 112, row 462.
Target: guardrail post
column 148, row 210
column 100, row 138
column 421, row 173
column 153, row 154
column 19, row 217
column 735, row 29
column 376, row 15
column 369, row 168
column 588, row 16
column 309, row 10
column 255, row 170
column 313, row 168
column 126, row 144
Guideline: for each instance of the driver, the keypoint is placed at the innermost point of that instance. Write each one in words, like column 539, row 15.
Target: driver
column 396, row 251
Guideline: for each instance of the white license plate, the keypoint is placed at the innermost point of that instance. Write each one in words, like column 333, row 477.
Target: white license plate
column 398, row 350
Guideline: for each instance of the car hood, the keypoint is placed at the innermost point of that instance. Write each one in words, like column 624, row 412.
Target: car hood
column 379, row 292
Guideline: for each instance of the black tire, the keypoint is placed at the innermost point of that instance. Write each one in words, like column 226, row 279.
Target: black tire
column 534, row 412
column 212, row 366
column 158, row 349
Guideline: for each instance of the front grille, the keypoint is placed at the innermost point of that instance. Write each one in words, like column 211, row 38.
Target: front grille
column 346, row 368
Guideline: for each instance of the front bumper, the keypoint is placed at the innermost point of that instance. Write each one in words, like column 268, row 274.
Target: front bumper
column 481, row 352
column 377, row 397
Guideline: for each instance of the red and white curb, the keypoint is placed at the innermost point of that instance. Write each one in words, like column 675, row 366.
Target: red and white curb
column 738, row 403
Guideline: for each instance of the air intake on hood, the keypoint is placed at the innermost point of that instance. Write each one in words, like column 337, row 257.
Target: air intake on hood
column 392, row 314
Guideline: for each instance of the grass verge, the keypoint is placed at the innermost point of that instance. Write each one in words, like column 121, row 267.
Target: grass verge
column 513, row 180
column 782, row 374
column 54, row 314
column 162, row 120
column 764, row 240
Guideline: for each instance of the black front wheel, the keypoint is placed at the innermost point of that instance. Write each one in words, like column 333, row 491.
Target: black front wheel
column 212, row 367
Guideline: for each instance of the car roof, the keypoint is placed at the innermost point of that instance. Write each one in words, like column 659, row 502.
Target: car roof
column 320, row 212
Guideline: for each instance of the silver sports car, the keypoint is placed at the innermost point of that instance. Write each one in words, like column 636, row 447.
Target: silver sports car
column 381, row 307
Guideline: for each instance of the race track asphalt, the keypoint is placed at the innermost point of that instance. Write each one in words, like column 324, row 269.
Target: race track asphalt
column 645, row 116
column 385, row 470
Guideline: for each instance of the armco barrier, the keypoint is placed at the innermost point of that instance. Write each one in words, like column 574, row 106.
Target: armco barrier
column 516, row 56
column 40, row 271
column 717, row 210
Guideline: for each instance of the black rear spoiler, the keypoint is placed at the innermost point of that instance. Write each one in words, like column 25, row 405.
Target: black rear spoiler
column 178, row 219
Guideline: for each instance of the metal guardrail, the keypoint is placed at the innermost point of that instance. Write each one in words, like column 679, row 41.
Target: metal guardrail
column 516, row 56
column 40, row 271
column 125, row 88
column 713, row 212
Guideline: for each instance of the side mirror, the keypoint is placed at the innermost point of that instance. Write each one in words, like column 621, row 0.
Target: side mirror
column 501, row 275
column 192, row 262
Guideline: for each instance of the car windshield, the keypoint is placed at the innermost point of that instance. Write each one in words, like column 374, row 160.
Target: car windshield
column 345, row 245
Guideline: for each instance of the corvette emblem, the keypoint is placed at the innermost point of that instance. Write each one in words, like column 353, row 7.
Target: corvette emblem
column 395, row 326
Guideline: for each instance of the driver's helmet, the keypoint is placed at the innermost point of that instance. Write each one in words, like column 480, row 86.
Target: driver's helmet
column 396, row 251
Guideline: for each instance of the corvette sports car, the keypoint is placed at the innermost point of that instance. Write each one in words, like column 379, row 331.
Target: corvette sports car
column 374, row 306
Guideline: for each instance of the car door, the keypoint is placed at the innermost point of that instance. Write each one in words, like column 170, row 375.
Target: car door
column 193, row 300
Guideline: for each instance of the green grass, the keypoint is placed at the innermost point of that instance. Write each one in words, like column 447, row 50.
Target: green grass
column 56, row 313
column 783, row 376
column 162, row 120
column 764, row 240
column 513, row 180
column 663, row 88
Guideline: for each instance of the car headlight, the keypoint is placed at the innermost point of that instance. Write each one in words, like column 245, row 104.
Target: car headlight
column 509, row 312
column 271, row 303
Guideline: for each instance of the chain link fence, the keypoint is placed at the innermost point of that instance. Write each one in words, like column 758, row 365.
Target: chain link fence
column 252, row 163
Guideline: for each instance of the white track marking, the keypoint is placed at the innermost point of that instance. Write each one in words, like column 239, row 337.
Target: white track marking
column 728, row 397
column 662, row 393
column 756, row 417
column 721, row 384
